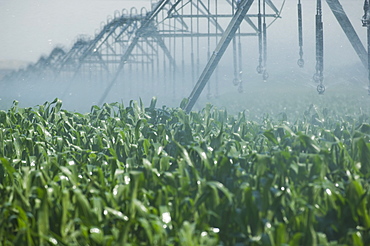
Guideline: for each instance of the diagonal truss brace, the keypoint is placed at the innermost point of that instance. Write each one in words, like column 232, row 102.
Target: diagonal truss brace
column 228, row 35
column 160, row 5
column 348, row 29
column 165, row 49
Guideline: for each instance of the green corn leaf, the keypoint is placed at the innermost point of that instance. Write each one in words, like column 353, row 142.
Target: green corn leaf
column 357, row 239
column 185, row 155
column 43, row 217
column 117, row 214
column 84, row 208
column 8, row 168
column 281, row 235
column 270, row 136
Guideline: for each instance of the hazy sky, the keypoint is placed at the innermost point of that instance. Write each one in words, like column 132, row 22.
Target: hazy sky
column 31, row 28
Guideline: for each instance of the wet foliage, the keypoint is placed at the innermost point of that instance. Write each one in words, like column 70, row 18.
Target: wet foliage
column 141, row 175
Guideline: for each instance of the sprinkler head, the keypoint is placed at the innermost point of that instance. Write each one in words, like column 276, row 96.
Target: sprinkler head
column 321, row 89
column 300, row 63
column 316, row 77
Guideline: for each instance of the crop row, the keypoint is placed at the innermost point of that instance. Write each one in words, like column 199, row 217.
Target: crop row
column 158, row 176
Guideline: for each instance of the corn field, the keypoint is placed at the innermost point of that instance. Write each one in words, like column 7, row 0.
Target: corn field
column 141, row 175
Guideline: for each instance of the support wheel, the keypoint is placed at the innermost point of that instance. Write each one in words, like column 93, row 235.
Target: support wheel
column 236, row 81
column 265, row 76
column 321, row 89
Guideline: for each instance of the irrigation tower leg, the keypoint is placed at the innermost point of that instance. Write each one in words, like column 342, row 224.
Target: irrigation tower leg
column 366, row 23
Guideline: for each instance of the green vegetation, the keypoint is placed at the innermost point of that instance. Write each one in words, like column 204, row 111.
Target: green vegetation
column 158, row 176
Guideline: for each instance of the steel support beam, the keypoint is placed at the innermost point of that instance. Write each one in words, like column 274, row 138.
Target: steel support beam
column 130, row 48
column 233, row 26
column 348, row 29
column 202, row 35
column 165, row 49
column 247, row 18
column 366, row 23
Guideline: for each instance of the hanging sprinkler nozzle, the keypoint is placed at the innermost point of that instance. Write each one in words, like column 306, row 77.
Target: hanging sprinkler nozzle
column 365, row 17
column 317, row 78
column 259, row 69
column 300, row 63
column 321, row 89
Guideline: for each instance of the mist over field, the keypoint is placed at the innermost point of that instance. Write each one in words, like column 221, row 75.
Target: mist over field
column 35, row 28
column 99, row 146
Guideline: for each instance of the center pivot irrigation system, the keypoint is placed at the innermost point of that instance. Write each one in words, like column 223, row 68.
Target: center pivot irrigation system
column 159, row 51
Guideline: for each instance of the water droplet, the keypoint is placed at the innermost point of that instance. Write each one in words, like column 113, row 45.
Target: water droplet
column 115, row 190
column 53, row 241
column 94, row 230
column 328, row 191
column 166, row 217
column 64, row 178
column 215, row 230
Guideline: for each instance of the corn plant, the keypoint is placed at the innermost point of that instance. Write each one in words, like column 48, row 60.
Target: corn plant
column 141, row 175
